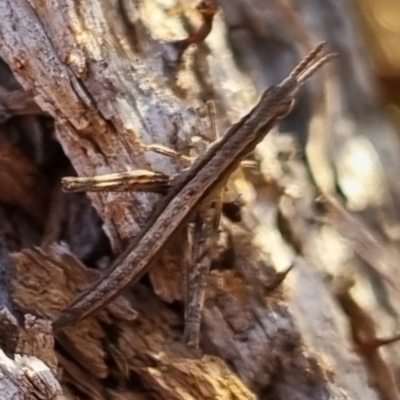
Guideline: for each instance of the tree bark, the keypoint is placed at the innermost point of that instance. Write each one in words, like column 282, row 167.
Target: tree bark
column 112, row 77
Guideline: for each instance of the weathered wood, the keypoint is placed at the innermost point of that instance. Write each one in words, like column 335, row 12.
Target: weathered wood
column 109, row 85
column 32, row 371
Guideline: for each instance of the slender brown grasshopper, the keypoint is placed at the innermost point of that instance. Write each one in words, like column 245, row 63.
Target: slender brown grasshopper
column 193, row 188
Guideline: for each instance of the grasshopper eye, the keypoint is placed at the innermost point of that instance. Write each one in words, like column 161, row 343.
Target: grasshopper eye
column 288, row 110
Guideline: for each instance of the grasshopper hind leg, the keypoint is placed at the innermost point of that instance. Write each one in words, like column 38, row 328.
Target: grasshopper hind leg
column 203, row 234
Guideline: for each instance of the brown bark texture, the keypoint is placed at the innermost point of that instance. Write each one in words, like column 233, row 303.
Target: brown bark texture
column 84, row 85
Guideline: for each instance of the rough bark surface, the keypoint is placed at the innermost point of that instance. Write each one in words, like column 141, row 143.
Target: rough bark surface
column 101, row 78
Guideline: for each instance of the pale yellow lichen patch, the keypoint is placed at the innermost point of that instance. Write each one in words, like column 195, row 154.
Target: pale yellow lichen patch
column 360, row 174
column 84, row 38
column 77, row 61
